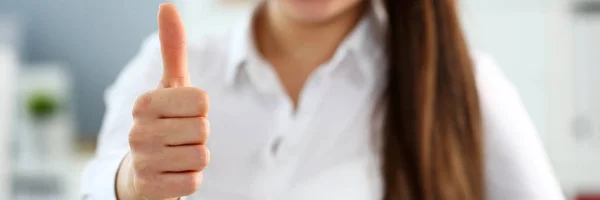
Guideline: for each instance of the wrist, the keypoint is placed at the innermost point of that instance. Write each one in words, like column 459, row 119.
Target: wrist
column 124, row 187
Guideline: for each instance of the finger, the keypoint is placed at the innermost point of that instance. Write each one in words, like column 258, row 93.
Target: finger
column 184, row 102
column 173, row 185
column 183, row 131
column 184, row 158
column 173, row 45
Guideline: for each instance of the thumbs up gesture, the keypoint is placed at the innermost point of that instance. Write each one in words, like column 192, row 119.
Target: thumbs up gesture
column 167, row 140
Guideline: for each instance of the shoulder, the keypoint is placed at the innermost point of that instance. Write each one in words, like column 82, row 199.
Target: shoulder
column 505, row 120
column 517, row 166
column 490, row 78
column 499, row 98
column 502, row 109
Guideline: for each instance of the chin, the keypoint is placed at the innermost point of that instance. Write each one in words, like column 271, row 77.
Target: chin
column 315, row 11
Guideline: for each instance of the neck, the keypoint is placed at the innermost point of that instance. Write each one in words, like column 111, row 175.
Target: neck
column 281, row 38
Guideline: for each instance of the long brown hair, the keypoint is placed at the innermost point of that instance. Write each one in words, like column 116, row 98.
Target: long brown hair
column 432, row 144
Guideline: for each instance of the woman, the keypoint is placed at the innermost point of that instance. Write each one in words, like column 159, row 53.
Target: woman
column 329, row 99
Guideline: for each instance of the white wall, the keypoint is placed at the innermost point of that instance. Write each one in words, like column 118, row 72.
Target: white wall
column 8, row 71
column 576, row 161
column 533, row 41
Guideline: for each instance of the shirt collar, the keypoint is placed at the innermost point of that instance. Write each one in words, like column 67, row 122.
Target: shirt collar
column 364, row 42
column 241, row 45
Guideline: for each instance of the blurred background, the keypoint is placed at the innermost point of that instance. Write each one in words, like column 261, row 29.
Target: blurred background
column 58, row 56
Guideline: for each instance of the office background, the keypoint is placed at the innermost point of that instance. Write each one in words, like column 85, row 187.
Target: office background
column 94, row 39
column 547, row 48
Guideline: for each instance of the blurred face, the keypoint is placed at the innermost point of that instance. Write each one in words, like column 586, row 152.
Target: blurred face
column 313, row 11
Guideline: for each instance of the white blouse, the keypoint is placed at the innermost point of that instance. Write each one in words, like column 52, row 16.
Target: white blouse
column 261, row 149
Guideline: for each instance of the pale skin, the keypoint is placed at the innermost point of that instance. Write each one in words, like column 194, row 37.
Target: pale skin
column 167, row 162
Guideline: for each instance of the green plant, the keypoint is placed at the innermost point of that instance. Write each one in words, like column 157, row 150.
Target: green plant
column 41, row 105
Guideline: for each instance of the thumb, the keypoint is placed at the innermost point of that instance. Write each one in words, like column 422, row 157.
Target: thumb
column 173, row 45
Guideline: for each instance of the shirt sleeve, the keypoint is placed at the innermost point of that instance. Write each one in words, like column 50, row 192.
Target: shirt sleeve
column 517, row 167
column 139, row 76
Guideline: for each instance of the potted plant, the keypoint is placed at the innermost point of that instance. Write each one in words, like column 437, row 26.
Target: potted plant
column 42, row 108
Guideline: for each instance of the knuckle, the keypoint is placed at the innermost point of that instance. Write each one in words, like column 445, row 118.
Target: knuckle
column 203, row 157
column 142, row 104
column 176, row 80
column 199, row 93
column 191, row 184
column 135, row 141
column 200, row 97
column 137, row 136
column 142, row 168
column 204, row 123
column 204, row 129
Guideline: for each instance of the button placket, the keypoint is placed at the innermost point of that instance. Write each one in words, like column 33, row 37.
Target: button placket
column 309, row 102
column 283, row 121
column 311, row 99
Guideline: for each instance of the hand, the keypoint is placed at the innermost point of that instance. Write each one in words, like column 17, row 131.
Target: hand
column 167, row 140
